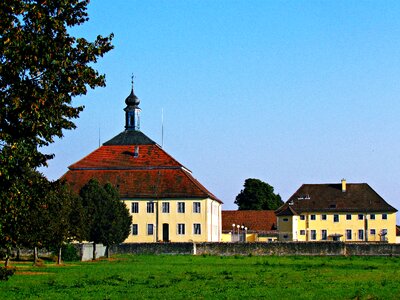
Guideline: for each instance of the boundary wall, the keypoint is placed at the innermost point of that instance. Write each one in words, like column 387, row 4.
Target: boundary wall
column 258, row 248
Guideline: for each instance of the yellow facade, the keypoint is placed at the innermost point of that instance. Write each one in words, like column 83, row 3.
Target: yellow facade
column 348, row 227
column 174, row 220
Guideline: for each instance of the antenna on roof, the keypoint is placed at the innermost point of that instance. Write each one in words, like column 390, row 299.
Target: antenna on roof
column 99, row 136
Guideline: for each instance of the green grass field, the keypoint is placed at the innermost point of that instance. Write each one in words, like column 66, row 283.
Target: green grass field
column 209, row 277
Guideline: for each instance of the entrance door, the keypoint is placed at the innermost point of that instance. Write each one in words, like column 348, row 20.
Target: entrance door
column 165, row 232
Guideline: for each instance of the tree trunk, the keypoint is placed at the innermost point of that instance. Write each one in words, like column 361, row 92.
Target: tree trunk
column 108, row 251
column 18, row 254
column 94, row 251
column 59, row 256
column 35, row 255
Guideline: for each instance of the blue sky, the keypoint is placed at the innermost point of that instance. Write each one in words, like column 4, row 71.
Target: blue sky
column 289, row 92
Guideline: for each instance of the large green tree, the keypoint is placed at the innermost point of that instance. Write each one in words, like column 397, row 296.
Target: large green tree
column 257, row 195
column 108, row 218
column 42, row 68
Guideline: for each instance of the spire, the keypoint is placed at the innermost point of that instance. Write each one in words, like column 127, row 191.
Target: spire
column 132, row 111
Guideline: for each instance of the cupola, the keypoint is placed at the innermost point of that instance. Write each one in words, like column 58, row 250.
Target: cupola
column 132, row 111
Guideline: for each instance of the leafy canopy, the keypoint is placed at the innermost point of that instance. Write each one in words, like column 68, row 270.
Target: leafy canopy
column 257, row 195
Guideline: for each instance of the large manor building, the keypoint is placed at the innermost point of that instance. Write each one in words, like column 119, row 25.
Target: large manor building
column 166, row 202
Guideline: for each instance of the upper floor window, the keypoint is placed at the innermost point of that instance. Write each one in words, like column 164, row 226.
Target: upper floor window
column 134, row 229
column 312, row 217
column 323, row 217
column 135, row 207
column 150, row 207
column 348, row 217
column 302, row 217
column 360, row 216
column 302, row 232
column 196, row 207
column 335, row 218
column 285, row 219
column 181, row 207
column 372, row 216
column 165, row 207
column 384, row 216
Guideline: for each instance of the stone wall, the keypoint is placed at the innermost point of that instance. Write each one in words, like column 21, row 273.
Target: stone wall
column 275, row 248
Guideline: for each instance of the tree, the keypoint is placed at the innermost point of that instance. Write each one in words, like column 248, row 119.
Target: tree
column 42, row 68
column 257, row 195
column 108, row 218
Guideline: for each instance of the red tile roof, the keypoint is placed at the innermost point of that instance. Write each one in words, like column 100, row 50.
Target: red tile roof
column 358, row 197
column 255, row 220
column 153, row 174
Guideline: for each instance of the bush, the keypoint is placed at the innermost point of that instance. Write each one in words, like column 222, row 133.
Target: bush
column 6, row 273
column 68, row 253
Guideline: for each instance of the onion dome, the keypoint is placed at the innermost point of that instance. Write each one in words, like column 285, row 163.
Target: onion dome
column 132, row 100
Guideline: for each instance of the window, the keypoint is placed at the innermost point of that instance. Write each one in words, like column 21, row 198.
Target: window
column 372, row 232
column 360, row 216
column 302, row 232
column 348, row 234
column 135, row 207
column 150, row 229
column 285, row 236
column 150, row 207
column 313, row 235
column 196, row 207
column 181, row 229
column 181, row 207
column 285, row 219
column 134, row 229
column 302, row 217
column 372, row 216
column 165, row 207
column 197, row 228
column 361, row 234
column 384, row 216
column 323, row 217
column 348, row 217
column 312, row 217
column 335, row 218
column 324, row 234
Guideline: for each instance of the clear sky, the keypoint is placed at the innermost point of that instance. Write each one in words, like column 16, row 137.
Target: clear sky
column 289, row 92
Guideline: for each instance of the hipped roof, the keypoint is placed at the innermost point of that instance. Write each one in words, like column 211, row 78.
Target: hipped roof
column 255, row 220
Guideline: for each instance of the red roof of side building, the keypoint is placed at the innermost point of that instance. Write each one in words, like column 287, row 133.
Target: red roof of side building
column 153, row 173
column 255, row 220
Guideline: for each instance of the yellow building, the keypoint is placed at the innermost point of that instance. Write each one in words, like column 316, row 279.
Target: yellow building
column 342, row 212
column 166, row 202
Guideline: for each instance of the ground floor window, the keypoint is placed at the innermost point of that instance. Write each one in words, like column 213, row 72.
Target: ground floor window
column 181, row 229
column 134, row 229
column 313, row 235
column 324, row 235
column 150, row 229
column 197, row 228
column 302, row 232
column 372, row 232
column 361, row 234
column 348, row 234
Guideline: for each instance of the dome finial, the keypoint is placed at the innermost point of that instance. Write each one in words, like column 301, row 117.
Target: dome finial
column 132, row 100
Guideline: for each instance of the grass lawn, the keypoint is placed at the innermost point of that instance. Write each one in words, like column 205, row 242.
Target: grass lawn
column 209, row 277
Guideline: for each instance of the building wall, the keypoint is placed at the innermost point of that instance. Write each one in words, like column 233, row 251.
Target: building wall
column 311, row 225
column 179, row 225
column 285, row 228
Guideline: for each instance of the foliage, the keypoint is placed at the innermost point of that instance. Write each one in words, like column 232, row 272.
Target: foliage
column 210, row 277
column 42, row 68
column 108, row 218
column 69, row 253
column 257, row 195
column 6, row 273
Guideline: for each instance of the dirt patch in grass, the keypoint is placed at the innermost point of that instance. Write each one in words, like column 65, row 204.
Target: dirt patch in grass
column 31, row 273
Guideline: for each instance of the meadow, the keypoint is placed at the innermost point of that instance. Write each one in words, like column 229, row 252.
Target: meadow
column 208, row 277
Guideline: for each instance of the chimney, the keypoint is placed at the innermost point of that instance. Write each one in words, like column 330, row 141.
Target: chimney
column 343, row 185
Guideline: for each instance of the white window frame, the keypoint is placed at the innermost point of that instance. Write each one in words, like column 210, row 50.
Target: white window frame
column 180, row 229
column 361, row 234
column 196, row 207
column 165, row 207
column 196, row 228
column 135, row 207
column 181, row 207
column 336, row 216
column 324, row 234
column 349, row 234
column 150, row 207
column 150, row 229
column 313, row 235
